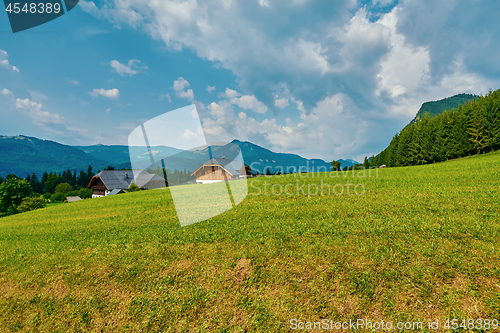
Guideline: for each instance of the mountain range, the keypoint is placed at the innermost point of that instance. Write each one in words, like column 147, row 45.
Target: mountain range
column 23, row 155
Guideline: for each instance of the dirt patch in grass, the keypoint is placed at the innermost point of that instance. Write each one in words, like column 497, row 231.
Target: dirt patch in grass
column 460, row 283
column 471, row 306
column 9, row 290
column 59, row 289
column 242, row 270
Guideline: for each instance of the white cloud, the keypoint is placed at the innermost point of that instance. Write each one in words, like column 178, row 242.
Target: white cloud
column 189, row 136
column 38, row 116
column 281, row 102
column 89, row 7
column 340, row 67
column 210, row 88
column 179, row 87
column 75, row 82
column 249, row 103
column 331, row 129
column 5, row 62
column 167, row 97
column 264, row 3
column 108, row 110
column 246, row 102
column 230, row 93
column 6, row 92
column 111, row 93
column 132, row 68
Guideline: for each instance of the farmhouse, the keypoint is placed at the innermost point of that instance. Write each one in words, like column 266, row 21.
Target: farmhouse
column 220, row 169
column 115, row 181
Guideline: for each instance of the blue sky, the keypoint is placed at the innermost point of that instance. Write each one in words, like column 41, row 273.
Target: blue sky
column 323, row 79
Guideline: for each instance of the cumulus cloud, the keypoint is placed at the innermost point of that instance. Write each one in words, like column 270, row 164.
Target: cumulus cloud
column 111, row 93
column 6, row 92
column 4, row 62
column 332, row 128
column 341, row 64
column 52, row 123
column 210, row 88
column 281, row 102
column 36, row 113
column 132, row 68
column 179, row 87
column 75, row 82
column 246, row 102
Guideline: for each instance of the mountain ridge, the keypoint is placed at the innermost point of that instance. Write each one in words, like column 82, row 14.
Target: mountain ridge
column 433, row 108
column 22, row 155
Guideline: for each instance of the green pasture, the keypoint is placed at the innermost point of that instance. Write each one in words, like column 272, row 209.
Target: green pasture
column 419, row 244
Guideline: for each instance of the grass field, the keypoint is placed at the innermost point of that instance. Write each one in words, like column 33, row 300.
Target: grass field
column 422, row 243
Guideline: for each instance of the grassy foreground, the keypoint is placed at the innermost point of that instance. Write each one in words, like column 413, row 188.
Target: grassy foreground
column 422, row 243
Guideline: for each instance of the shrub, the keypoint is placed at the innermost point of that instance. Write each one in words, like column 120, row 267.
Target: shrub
column 31, row 203
column 85, row 193
column 133, row 188
column 58, row 197
column 64, row 188
column 12, row 193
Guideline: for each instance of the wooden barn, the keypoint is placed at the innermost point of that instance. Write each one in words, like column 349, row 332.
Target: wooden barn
column 113, row 181
column 220, row 169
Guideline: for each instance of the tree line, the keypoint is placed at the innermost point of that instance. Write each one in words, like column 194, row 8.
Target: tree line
column 472, row 128
column 20, row 195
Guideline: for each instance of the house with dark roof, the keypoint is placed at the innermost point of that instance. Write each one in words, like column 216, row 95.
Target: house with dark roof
column 107, row 181
column 220, row 169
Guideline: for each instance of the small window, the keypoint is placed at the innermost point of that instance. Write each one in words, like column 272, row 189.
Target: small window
column 203, row 172
column 213, row 173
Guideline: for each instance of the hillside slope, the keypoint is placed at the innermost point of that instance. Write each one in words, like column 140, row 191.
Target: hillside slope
column 437, row 107
column 23, row 155
column 420, row 244
column 262, row 158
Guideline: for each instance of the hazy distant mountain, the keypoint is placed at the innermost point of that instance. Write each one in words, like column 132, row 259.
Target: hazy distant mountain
column 21, row 155
column 119, row 157
column 259, row 158
column 436, row 107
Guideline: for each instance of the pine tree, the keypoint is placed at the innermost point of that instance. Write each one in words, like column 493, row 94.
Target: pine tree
column 477, row 130
column 366, row 163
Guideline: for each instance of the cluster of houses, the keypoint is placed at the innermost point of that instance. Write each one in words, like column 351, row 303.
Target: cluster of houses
column 111, row 182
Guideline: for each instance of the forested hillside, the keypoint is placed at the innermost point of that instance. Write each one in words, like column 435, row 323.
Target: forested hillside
column 437, row 107
column 471, row 128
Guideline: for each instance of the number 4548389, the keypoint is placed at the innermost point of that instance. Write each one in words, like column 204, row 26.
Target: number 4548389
column 33, row 8
column 470, row 324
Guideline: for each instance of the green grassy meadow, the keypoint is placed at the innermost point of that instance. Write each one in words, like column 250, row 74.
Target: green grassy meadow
column 422, row 243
